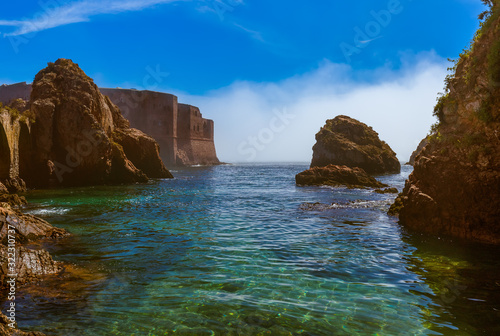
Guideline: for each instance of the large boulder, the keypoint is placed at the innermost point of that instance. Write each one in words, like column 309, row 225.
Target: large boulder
column 75, row 138
column 346, row 141
column 454, row 189
column 335, row 176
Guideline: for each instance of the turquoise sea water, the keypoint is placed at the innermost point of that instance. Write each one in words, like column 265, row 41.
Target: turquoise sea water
column 241, row 250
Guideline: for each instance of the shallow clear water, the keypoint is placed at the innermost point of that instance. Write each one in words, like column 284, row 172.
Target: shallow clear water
column 241, row 250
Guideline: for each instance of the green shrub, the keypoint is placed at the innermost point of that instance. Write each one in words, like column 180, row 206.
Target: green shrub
column 14, row 114
column 438, row 109
column 494, row 64
column 28, row 115
column 484, row 112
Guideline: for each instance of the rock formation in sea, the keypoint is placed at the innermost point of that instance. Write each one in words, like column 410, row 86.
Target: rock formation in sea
column 80, row 137
column 346, row 141
column 454, row 189
column 417, row 151
column 184, row 136
column 333, row 175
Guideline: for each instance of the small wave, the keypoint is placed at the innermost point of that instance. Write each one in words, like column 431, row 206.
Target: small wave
column 358, row 204
column 48, row 211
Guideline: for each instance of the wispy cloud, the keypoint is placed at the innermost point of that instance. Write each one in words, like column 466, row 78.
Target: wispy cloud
column 398, row 104
column 253, row 33
column 75, row 12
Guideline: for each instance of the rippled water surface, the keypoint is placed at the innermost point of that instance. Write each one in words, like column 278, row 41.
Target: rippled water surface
column 240, row 250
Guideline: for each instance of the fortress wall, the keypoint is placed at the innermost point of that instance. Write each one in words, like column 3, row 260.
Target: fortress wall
column 14, row 91
column 208, row 129
column 154, row 113
column 196, row 152
column 184, row 136
column 184, row 128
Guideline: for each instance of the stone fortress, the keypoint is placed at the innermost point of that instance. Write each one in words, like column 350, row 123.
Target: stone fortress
column 184, row 136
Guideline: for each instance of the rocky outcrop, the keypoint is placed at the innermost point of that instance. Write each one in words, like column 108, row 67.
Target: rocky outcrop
column 20, row 262
column 80, row 136
column 386, row 191
column 346, row 141
column 335, row 176
column 30, row 264
column 454, row 189
column 417, row 151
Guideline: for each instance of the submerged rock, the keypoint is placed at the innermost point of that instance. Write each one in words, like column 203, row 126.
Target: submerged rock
column 346, row 141
column 333, row 175
column 81, row 138
column 454, row 189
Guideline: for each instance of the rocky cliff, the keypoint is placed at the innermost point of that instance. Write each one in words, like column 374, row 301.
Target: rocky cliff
column 417, row 151
column 346, row 141
column 454, row 189
column 80, row 136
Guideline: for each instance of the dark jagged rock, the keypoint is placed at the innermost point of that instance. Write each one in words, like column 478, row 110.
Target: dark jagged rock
column 417, row 151
column 13, row 199
column 387, row 191
column 74, row 135
column 28, row 227
column 454, row 189
column 346, row 141
column 30, row 264
column 333, row 175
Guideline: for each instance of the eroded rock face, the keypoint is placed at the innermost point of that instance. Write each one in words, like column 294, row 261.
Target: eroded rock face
column 346, row 141
column 454, row 189
column 333, row 175
column 30, row 264
column 75, row 138
column 142, row 151
column 417, row 151
column 28, row 227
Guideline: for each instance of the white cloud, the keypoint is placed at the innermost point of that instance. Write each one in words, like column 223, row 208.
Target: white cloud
column 74, row 12
column 398, row 104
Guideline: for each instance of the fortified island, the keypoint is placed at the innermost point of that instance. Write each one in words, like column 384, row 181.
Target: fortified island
column 184, row 136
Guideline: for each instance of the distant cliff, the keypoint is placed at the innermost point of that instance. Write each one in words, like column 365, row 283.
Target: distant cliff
column 454, row 189
column 184, row 136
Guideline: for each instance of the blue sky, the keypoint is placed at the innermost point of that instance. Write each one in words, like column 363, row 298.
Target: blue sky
column 273, row 55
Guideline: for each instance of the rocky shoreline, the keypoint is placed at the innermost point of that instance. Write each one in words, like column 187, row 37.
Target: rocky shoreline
column 67, row 134
column 20, row 263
